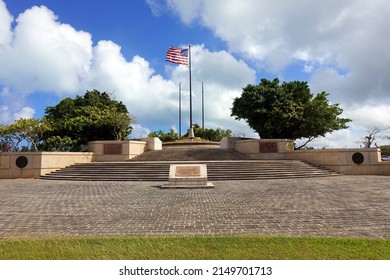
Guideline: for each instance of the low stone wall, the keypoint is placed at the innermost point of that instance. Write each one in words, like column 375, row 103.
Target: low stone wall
column 343, row 161
column 228, row 143
column 153, row 143
column 116, row 150
column 35, row 164
column 263, row 148
column 191, row 145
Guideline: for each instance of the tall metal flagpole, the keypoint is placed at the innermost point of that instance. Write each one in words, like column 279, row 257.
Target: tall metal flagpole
column 189, row 66
column 180, row 110
column 202, row 106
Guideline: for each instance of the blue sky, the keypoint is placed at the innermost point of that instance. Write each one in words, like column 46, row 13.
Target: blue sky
column 50, row 50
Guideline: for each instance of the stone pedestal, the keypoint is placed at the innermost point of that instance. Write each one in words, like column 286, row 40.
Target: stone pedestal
column 191, row 133
column 188, row 176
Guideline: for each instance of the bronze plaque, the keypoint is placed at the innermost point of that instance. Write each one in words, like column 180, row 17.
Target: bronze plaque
column 21, row 162
column 358, row 158
column 112, row 149
column 187, row 171
column 268, row 147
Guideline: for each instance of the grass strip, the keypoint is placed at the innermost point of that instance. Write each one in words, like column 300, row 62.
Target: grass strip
column 195, row 248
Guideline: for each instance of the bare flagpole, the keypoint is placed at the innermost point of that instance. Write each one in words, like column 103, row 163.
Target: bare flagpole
column 179, row 110
column 191, row 134
column 202, row 105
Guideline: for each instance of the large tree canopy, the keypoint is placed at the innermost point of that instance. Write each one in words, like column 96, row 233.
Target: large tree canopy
column 94, row 116
column 287, row 111
column 69, row 125
column 204, row 133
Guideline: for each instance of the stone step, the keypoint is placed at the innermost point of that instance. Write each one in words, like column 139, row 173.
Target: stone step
column 190, row 154
column 217, row 170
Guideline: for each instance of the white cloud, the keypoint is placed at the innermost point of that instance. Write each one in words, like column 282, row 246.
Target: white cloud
column 25, row 113
column 13, row 106
column 5, row 25
column 223, row 77
column 46, row 55
column 147, row 95
column 345, row 36
column 370, row 116
column 10, row 114
column 342, row 46
column 139, row 131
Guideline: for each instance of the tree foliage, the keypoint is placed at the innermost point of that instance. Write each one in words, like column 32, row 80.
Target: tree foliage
column 165, row 136
column 31, row 130
column 94, row 116
column 207, row 134
column 69, row 125
column 287, row 111
column 385, row 150
column 210, row 134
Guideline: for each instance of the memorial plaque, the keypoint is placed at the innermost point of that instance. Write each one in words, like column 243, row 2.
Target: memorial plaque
column 21, row 162
column 358, row 158
column 112, row 149
column 268, row 147
column 187, row 171
column 188, row 176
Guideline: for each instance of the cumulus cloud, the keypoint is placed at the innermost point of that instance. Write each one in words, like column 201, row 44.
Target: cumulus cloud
column 370, row 116
column 139, row 131
column 341, row 46
column 45, row 55
column 41, row 54
column 5, row 25
column 13, row 107
column 343, row 36
column 223, row 77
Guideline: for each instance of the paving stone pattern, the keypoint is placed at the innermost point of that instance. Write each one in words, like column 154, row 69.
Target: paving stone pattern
column 343, row 206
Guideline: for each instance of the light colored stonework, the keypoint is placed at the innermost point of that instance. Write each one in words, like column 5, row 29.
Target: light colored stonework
column 188, row 176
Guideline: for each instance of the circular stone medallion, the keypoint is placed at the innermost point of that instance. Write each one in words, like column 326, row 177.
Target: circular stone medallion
column 21, row 162
column 358, row 158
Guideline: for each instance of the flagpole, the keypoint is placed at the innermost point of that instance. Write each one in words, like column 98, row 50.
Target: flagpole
column 202, row 105
column 189, row 67
column 179, row 110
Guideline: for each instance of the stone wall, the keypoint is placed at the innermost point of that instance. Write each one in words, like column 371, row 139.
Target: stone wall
column 116, row 150
column 264, row 149
column 35, row 164
column 343, row 161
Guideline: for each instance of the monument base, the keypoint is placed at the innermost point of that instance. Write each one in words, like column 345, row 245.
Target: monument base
column 188, row 176
column 209, row 185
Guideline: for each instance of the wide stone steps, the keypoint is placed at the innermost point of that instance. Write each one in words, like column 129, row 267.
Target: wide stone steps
column 217, row 170
column 190, row 154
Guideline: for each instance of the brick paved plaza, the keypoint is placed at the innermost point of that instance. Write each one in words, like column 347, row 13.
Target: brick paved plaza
column 341, row 206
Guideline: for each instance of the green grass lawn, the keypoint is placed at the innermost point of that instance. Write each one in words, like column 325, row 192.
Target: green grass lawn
column 195, row 248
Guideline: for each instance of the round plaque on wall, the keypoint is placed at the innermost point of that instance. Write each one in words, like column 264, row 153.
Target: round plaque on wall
column 358, row 158
column 21, row 162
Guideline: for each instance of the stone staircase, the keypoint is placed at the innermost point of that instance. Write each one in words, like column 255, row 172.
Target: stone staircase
column 190, row 154
column 221, row 165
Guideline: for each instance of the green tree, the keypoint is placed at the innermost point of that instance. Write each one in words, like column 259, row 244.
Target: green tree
column 165, row 136
column 385, row 150
column 31, row 130
column 210, row 134
column 94, row 116
column 7, row 143
column 287, row 111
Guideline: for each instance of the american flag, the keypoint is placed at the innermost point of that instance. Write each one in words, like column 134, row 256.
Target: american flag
column 177, row 55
